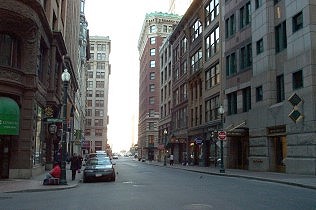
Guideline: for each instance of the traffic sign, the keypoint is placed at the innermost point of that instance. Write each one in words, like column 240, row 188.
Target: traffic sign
column 221, row 135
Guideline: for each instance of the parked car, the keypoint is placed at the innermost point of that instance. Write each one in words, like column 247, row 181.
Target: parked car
column 99, row 169
column 94, row 155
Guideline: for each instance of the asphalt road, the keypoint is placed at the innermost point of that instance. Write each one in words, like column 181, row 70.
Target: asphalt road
column 140, row 186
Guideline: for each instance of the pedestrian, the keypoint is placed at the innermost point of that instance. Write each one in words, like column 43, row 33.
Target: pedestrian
column 171, row 159
column 74, row 166
column 54, row 173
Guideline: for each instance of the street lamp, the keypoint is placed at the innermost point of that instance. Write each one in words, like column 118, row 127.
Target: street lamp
column 165, row 132
column 65, row 77
column 221, row 111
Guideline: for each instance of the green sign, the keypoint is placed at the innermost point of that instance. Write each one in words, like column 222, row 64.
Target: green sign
column 9, row 117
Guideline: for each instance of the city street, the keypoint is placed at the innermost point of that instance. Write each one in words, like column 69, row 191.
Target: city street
column 142, row 186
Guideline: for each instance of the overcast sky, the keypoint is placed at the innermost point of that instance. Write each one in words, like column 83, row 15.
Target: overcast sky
column 122, row 21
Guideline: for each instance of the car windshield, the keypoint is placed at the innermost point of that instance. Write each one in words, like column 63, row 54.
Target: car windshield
column 101, row 161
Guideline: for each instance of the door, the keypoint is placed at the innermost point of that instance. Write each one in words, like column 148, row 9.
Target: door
column 4, row 156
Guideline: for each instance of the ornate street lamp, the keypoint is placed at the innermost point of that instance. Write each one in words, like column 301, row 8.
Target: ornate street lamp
column 221, row 111
column 165, row 133
column 65, row 77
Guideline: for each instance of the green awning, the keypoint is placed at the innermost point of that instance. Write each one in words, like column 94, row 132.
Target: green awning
column 9, row 117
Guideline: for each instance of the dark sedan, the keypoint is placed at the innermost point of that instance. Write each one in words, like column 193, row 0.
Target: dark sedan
column 99, row 169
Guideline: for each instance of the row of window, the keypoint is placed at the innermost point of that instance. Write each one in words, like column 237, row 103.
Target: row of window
column 97, row 112
column 98, row 84
column 97, row 103
column 100, row 47
column 97, row 122
column 98, row 93
column 98, row 74
column 100, row 56
column 97, row 132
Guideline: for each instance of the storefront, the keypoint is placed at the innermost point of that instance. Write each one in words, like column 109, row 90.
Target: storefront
column 9, row 129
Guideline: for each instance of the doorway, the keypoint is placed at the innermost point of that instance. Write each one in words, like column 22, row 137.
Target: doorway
column 279, row 153
column 4, row 156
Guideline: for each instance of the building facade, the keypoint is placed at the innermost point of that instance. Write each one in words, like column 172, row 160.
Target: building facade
column 269, row 90
column 98, row 75
column 156, row 27
column 37, row 43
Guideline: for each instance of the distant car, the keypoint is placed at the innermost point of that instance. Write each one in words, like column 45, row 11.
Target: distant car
column 115, row 156
column 99, row 169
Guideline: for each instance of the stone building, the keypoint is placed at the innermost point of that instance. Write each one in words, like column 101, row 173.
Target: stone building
column 38, row 40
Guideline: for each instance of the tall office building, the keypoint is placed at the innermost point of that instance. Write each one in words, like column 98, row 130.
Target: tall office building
column 156, row 27
column 98, row 72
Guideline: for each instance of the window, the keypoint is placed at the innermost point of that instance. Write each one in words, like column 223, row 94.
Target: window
column 280, row 88
column 259, row 45
column 164, row 28
column 99, row 93
column 90, row 84
column 89, row 93
column 152, row 64
column 152, row 88
column 91, row 56
column 232, row 103
column 99, row 113
column 246, row 99
column 88, row 122
column 276, row 1
column 98, row 122
column 183, row 45
column 230, row 26
column 100, row 75
column 152, row 29
column 99, row 84
column 212, row 76
column 297, row 22
column 9, row 49
column 297, row 80
column 151, row 100
column 89, row 103
column 152, row 52
column 231, row 64
column 211, row 11
column 87, row 132
column 100, row 65
column 211, row 109
column 151, row 113
column 245, row 15
column 280, row 37
column 88, row 112
column 152, row 76
column 41, row 62
column 151, row 125
column 245, row 56
column 99, row 103
column 98, row 132
column 152, row 40
column 90, row 74
column 196, row 61
column 212, row 44
column 196, row 30
column 258, row 3
column 259, row 93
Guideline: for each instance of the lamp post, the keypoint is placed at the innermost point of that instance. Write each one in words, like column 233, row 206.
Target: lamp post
column 165, row 132
column 221, row 111
column 65, row 77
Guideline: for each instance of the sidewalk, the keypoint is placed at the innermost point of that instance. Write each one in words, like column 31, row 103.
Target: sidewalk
column 306, row 181
column 35, row 184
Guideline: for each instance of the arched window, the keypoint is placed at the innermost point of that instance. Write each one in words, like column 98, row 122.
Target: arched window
column 9, row 49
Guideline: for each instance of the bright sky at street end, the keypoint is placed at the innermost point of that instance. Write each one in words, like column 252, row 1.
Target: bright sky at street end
column 122, row 21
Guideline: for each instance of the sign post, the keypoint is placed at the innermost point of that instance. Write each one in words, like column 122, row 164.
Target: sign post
column 222, row 135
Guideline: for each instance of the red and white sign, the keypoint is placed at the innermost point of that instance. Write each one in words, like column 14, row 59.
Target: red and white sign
column 221, row 135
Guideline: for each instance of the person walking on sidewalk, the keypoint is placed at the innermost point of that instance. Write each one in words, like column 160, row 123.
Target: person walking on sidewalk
column 171, row 159
column 74, row 166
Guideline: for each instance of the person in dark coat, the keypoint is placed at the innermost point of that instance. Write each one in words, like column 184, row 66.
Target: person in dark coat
column 74, row 165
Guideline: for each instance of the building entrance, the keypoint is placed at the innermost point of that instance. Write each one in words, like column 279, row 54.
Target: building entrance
column 278, row 153
column 4, row 156
column 239, row 151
